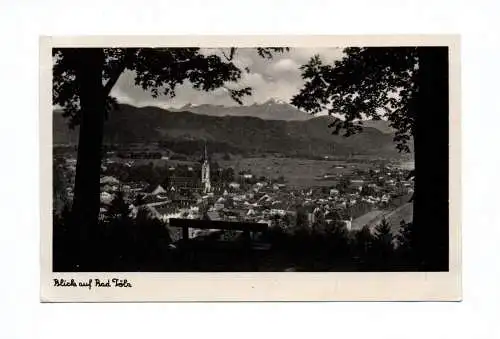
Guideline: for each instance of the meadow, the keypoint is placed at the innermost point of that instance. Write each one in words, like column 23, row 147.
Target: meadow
column 296, row 172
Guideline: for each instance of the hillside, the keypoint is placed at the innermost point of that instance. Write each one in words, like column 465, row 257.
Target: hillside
column 381, row 125
column 232, row 134
column 272, row 109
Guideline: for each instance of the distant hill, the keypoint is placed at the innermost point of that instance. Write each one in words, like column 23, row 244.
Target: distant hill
column 382, row 125
column 185, row 130
column 272, row 109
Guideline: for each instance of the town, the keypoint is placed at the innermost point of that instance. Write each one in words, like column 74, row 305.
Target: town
column 353, row 195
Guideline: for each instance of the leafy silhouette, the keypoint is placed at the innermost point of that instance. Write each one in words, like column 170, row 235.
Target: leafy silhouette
column 408, row 86
column 366, row 83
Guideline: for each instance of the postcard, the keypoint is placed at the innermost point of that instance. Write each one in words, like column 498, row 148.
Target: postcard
column 250, row 168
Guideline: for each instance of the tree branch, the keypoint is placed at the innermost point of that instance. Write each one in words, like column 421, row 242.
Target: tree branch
column 229, row 57
column 115, row 75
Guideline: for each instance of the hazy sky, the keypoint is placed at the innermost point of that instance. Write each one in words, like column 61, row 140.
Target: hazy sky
column 276, row 78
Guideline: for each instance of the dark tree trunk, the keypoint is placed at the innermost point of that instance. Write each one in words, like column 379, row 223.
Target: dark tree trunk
column 86, row 202
column 431, row 220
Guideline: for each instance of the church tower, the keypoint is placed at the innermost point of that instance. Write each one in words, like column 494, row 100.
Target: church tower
column 205, row 173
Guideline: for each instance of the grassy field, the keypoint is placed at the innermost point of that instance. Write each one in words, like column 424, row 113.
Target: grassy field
column 394, row 217
column 371, row 219
column 297, row 172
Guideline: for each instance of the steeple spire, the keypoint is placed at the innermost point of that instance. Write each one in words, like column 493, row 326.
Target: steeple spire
column 205, row 172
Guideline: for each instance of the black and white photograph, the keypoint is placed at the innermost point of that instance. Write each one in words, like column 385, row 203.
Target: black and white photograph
column 250, row 159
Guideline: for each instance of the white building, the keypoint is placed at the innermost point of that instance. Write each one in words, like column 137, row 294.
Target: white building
column 158, row 190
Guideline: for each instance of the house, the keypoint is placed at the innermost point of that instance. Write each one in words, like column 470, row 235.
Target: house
column 348, row 223
column 316, row 211
column 234, row 185
column 357, row 181
column 109, row 180
column 106, row 188
column 265, row 197
column 334, row 191
column 262, row 221
column 213, row 215
column 276, row 211
column 218, row 206
column 158, row 190
column 106, row 198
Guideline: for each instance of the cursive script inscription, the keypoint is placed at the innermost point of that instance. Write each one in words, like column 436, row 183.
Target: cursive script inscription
column 65, row 283
column 121, row 283
column 98, row 283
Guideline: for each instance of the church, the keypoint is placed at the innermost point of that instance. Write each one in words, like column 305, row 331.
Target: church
column 205, row 173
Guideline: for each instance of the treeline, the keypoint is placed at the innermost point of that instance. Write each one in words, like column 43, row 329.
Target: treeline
column 126, row 242
column 332, row 247
column 196, row 147
column 120, row 242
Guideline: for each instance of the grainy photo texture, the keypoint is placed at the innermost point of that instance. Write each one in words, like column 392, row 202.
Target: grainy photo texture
column 265, row 159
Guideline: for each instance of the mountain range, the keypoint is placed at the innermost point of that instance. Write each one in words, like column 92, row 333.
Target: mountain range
column 240, row 132
column 273, row 109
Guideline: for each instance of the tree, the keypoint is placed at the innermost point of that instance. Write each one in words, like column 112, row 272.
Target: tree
column 140, row 199
column 405, row 242
column 408, row 86
column 367, row 191
column 301, row 221
column 151, row 242
column 119, row 210
column 343, row 185
column 58, row 186
column 383, row 246
column 363, row 240
column 383, row 238
column 227, row 174
column 84, row 77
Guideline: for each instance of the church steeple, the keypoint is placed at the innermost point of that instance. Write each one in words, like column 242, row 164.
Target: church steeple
column 205, row 172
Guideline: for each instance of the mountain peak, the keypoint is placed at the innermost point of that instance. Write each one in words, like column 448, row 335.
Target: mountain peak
column 188, row 105
column 272, row 109
column 276, row 101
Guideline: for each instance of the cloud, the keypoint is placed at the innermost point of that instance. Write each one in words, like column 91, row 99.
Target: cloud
column 285, row 65
column 328, row 55
column 275, row 78
column 122, row 96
